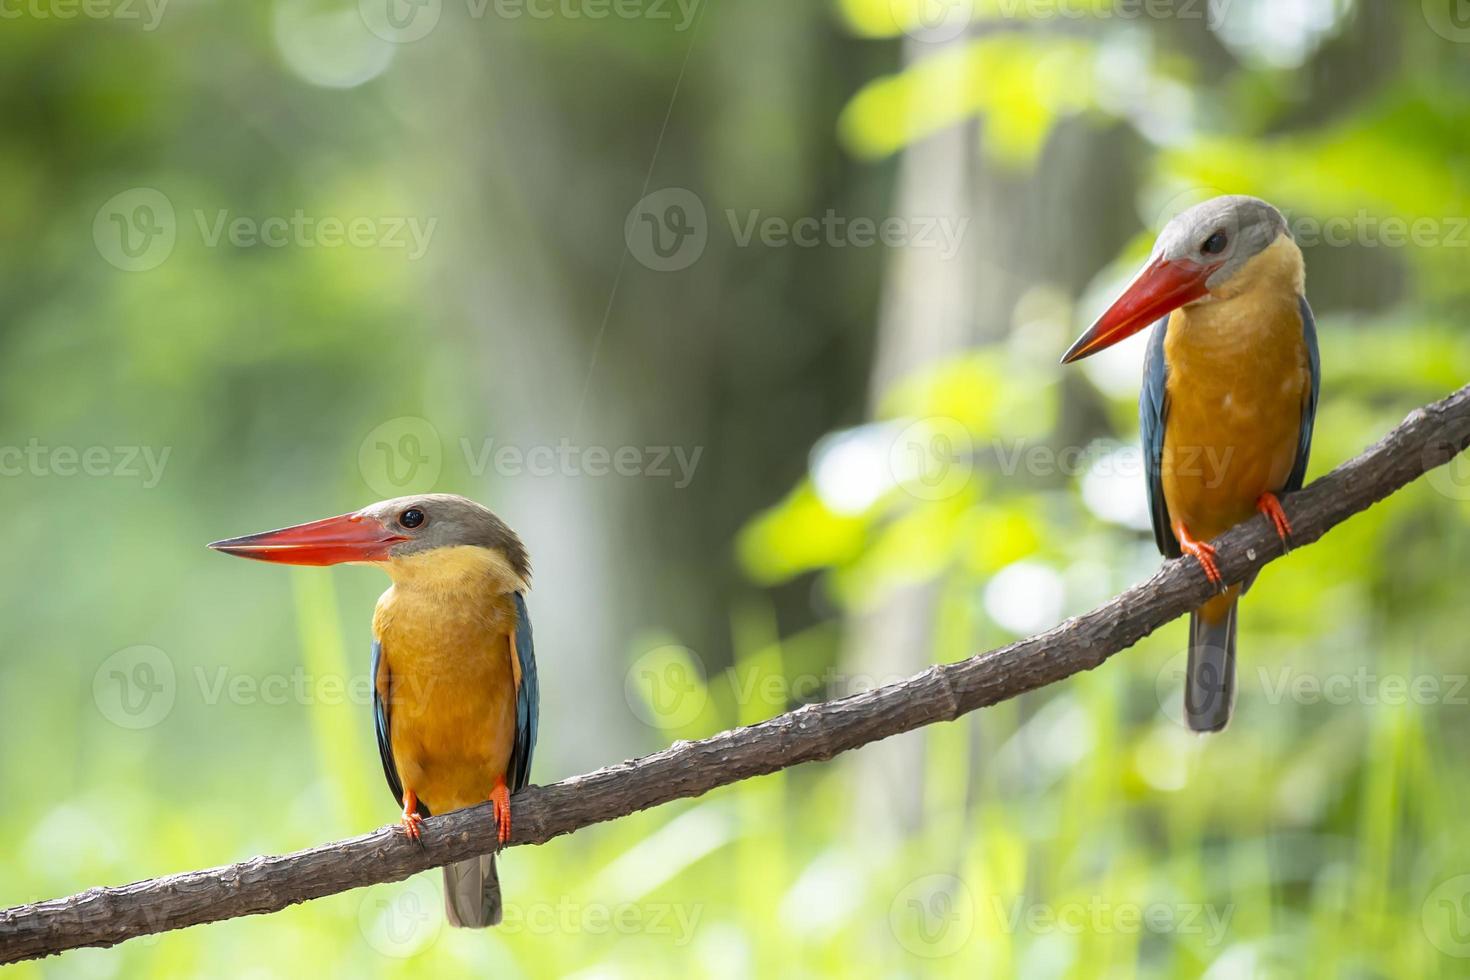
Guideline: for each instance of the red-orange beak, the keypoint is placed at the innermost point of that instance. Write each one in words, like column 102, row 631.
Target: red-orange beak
column 1162, row 287
column 350, row 537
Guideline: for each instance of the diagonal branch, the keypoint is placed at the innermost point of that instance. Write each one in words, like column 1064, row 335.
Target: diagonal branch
column 1429, row 437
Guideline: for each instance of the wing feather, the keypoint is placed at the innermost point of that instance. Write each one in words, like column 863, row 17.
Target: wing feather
column 1309, row 407
column 528, row 698
column 382, row 701
column 1153, row 416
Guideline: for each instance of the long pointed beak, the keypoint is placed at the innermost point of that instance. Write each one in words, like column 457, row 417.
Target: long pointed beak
column 1161, row 288
column 333, row 541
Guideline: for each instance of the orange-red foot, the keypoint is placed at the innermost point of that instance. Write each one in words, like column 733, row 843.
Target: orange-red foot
column 411, row 818
column 500, row 796
column 1271, row 507
column 1204, row 553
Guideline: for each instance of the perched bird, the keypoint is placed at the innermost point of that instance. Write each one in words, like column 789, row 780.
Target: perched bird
column 1230, row 382
column 455, row 700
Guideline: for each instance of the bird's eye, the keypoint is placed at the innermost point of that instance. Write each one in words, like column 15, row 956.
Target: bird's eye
column 411, row 518
column 1215, row 244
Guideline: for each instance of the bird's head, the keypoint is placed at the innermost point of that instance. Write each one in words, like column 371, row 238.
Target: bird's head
column 404, row 535
column 1199, row 257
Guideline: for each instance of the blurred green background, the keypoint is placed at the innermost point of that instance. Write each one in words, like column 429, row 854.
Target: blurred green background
column 745, row 314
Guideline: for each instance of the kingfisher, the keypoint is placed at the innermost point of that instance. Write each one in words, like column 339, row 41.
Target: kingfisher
column 455, row 694
column 1230, row 382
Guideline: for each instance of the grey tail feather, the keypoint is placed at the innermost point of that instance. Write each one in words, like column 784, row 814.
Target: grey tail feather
column 1209, row 683
column 472, row 893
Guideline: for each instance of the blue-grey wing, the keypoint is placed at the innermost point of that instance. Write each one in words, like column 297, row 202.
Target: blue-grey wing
column 381, row 711
column 528, row 700
column 1153, row 415
column 1309, row 409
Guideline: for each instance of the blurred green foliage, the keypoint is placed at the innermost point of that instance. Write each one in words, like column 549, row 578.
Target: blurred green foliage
column 1318, row 836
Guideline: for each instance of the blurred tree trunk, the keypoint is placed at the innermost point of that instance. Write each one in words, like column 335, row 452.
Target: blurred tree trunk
column 1055, row 226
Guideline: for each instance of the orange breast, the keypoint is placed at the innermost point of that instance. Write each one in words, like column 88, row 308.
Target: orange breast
column 451, row 690
column 1238, row 380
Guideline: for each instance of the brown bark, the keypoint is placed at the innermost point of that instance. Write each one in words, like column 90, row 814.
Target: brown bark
column 1429, row 437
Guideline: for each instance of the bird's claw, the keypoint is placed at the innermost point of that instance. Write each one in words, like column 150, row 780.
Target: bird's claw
column 411, row 818
column 1204, row 553
column 1270, row 505
column 500, row 799
column 410, row 823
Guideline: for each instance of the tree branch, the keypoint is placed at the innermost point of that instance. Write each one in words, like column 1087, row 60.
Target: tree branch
column 1428, row 438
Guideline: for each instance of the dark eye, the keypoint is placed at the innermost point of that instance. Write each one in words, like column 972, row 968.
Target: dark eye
column 1215, row 244
column 411, row 518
